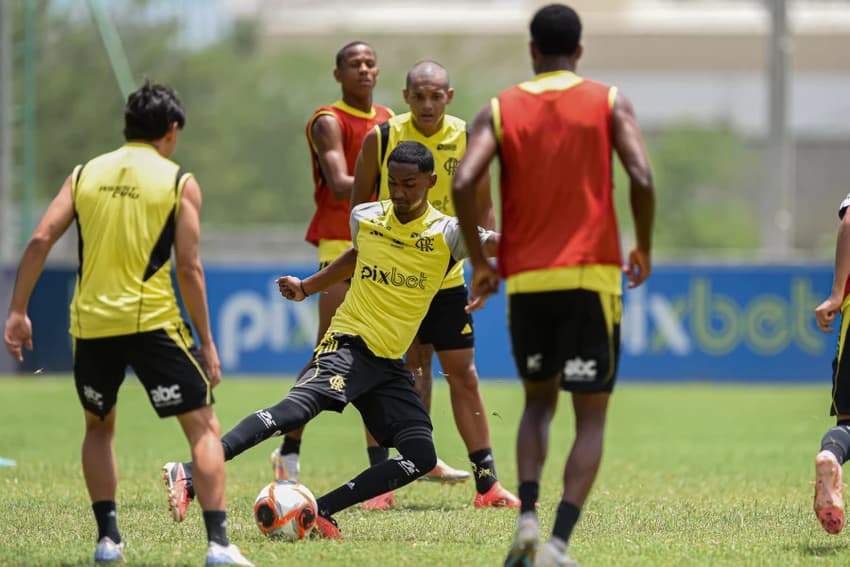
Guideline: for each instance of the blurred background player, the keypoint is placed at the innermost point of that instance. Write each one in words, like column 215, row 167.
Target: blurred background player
column 132, row 206
column 447, row 328
column 359, row 359
column 554, row 135
column 835, row 445
column 334, row 134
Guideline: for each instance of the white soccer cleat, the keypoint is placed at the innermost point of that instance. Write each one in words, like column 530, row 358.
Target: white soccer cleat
column 445, row 474
column 221, row 555
column 107, row 551
column 524, row 548
column 829, row 505
column 286, row 467
column 554, row 555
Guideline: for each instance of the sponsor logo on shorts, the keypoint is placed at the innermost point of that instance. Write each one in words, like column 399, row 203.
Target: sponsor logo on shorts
column 579, row 370
column 164, row 396
column 93, row 396
column 392, row 277
column 533, row 362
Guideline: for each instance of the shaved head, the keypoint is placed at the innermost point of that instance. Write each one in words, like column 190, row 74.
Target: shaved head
column 430, row 71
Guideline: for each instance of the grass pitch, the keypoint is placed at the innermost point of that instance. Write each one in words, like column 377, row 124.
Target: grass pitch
column 692, row 475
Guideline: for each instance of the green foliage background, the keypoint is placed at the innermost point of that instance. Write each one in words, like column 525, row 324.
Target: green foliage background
column 247, row 102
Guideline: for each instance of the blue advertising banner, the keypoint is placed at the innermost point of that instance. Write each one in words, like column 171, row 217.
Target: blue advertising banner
column 747, row 323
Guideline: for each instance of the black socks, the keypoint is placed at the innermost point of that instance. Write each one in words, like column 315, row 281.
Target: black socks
column 377, row 455
column 484, row 469
column 529, row 492
column 565, row 521
column 107, row 524
column 216, row 523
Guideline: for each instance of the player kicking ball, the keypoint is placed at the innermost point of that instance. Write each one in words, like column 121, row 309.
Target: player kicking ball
column 401, row 250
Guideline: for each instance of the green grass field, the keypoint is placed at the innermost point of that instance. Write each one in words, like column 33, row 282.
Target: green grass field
column 692, row 475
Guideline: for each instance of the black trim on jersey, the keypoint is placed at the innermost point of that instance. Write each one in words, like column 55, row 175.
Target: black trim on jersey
column 161, row 252
column 384, row 129
column 452, row 263
column 79, row 267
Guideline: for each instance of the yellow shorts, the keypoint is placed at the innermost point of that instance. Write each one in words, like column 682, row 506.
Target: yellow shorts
column 330, row 250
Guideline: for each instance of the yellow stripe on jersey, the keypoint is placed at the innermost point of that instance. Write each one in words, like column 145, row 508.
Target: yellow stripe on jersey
column 551, row 81
column 593, row 277
column 612, row 310
column 330, row 250
column 348, row 109
column 126, row 203
column 177, row 333
column 447, row 145
column 496, row 110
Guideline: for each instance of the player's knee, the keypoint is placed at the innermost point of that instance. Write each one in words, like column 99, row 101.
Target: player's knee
column 419, row 450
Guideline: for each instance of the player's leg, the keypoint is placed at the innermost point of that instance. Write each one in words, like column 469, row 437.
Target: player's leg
column 590, row 373
column 286, row 460
column 396, row 417
column 98, row 374
column 446, row 326
column 835, row 444
column 169, row 366
column 470, row 416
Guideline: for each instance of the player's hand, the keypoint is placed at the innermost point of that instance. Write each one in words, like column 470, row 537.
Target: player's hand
column 484, row 282
column 826, row 312
column 18, row 334
column 291, row 288
column 209, row 355
column 638, row 268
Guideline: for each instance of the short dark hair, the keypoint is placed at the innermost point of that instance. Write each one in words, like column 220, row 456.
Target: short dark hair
column 340, row 55
column 415, row 153
column 556, row 30
column 150, row 111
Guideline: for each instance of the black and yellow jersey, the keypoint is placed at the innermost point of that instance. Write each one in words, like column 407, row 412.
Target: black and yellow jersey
column 447, row 145
column 400, row 267
column 126, row 204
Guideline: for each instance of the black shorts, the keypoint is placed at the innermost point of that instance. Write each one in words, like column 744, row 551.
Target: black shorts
column 841, row 372
column 572, row 333
column 166, row 362
column 447, row 325
column 345, row 371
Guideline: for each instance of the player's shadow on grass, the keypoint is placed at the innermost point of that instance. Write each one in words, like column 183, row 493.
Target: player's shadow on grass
column 822, row 550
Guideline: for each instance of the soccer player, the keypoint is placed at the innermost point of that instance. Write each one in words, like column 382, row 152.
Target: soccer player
column 447, row 328
column 835, row 445
column 401, row 250
column 132, row 206
column 560, row 255
column 334, row 134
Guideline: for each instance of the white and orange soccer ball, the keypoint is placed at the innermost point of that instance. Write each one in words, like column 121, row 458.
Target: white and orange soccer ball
column 285, row 509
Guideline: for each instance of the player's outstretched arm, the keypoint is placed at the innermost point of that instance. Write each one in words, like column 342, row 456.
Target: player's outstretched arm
column 628, row 143
column 826, row 312
column 366, row 170
column 326, row 138
column 190, row 275
column 296, row 289
column 56, row 220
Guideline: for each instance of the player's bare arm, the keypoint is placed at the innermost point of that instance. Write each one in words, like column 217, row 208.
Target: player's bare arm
column 341, row 269
column 486, row 211
column 366, row 170
column 629, row 145
column 190, row 275
column 327, row 140
column 56, row 220
column 826, row 312
column 480, row 151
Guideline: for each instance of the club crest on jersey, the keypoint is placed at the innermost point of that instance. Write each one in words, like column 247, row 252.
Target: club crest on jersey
column 451, row 166
column 425, row 244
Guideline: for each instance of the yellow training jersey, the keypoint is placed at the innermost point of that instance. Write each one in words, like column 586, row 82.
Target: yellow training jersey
column 400, row 267
column 126, row 204
column 448, row 146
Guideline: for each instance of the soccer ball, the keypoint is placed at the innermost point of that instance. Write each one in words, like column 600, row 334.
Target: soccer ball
column 285, row 509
